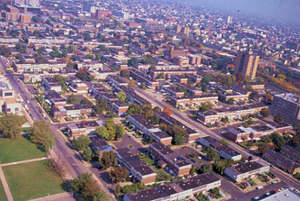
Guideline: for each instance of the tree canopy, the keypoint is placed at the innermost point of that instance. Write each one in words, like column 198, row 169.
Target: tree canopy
column 41, row 135
column 11, row 125
column 81, row 143
column 85, row 187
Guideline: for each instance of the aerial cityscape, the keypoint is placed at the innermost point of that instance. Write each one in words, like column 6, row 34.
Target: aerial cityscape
column 149, row 100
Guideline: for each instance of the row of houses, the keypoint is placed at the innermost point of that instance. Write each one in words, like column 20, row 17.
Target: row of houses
column 232, row 113
column 180, row 190
column 224, row 151
column 141, row 124
column 243, row 134
column 243, row 171
column 138, row 168
column 287, row 159
column 143, row 78
column 175, row 163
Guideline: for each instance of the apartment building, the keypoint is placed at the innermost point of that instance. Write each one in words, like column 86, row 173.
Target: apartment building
column 180, row 190
column 83, row 128
column 138, row 168
column 232, row 113
column 141, row 124
column 240, row 172
column 224, row 151
column 172, row 161
column 8, row 99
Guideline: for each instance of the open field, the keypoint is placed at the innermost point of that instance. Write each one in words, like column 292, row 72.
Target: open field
column 32, row 180
column 18, row 150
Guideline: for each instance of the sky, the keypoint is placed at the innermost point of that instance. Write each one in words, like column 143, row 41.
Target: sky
column 282, row 10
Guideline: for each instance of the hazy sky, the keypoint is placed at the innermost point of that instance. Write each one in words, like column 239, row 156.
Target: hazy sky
column 283, row 10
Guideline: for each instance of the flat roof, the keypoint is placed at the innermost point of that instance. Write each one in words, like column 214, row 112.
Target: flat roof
column 152, row 193
column 285, row 195
column 197, row 181
column 246, row 167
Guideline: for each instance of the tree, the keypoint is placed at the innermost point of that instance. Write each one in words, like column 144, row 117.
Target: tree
column 178, row 133
column 265, row 112
column 101, row 106
column 206, row 168
column 131, row 83
column 156, row 109
column 81, row 143
column 263, row 148
column 205, row 107
column 100, row 196
column 86, row 188
column 111, row 128
column 122, row 96
column 168, row 111
column 87, row 154
column 268, row 98
column 125, row 73
column 132, row 62
column 212, row 154
column 108, row 159
column 119, row 131
column 278, row 118
column 118, row 174
column 11, row 125
column 297, row 129
column 295, row 141
column 179, row 139
column 118, row 190
column 277, row 140
column 84, row 75
column 5, row 51
column 41, row 135
column 72, row 99
column 62, row 81
column 103, row 132
column 221, row 165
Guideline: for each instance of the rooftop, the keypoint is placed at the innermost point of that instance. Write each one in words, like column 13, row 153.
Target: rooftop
column 245, row 167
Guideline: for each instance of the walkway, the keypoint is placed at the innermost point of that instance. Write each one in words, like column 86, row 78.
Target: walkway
column 5, row 186
column 21, row 162
column 56, row 197
column 3, row 179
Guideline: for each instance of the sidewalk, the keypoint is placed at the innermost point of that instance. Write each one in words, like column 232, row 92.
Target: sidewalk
column 21, row 162
column 56, row 197
column 5, row 186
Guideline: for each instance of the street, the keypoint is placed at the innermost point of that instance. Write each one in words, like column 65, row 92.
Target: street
column 72, row 163
column 285, row 177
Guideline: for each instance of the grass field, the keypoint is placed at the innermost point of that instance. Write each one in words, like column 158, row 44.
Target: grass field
column 2, row 193
column 32, row 180
column 18, row 150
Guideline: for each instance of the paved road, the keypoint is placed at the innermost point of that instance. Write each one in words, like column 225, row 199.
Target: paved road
column 286, row 178
column 72, row 163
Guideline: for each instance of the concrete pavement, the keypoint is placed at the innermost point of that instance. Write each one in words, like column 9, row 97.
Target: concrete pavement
column 21, row 162
column 56, row 197
column 5, row 186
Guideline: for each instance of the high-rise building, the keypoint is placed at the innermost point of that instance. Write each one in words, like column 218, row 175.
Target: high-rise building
column 229, row 20
column 178, row 28
column 186, row 31
column 246, row 66
column 288, row 105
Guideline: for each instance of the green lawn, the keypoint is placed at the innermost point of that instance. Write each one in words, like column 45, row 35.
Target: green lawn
column 18, row 150
column 2, row 193
column 32, row 180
